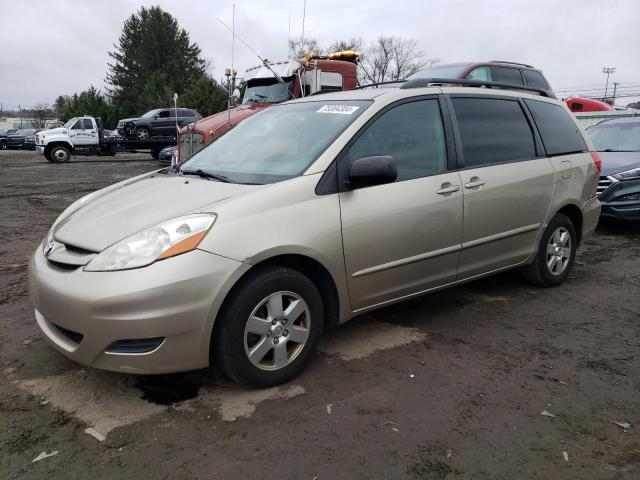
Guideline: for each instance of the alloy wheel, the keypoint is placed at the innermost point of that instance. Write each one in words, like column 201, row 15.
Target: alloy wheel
column 559, row 251
column 277, row 330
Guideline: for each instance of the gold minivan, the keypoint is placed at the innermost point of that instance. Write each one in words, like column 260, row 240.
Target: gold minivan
column 309, row 214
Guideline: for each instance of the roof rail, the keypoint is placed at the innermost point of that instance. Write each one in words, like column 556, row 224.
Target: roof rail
column 512, row 63
column 426, row 82
column 389, row 82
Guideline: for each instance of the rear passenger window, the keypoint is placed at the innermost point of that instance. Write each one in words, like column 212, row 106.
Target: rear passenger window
column 534, row 79
column 493, row 131
column 560, row 134
column 412, row 133
column 507, row 75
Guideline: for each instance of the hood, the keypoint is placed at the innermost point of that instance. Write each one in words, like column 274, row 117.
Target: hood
column 616, row 162
column 53, row 131
column 218, row 122
column 132, row 206
column 125, row 120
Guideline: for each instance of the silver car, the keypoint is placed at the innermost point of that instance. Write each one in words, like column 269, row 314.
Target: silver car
column 307, row 215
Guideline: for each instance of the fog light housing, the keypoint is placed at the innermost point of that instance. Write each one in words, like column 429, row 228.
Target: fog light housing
column 135, row 346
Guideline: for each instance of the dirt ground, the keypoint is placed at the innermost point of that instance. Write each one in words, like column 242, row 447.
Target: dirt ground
column 449, row 386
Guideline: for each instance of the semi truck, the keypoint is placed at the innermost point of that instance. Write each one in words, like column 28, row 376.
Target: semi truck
column 271, row 83
column 86, row 136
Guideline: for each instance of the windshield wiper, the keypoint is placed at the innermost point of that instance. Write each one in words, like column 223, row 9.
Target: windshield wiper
column 204, row 174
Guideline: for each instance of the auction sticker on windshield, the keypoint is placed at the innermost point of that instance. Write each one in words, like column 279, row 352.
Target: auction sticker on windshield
column 342, row 109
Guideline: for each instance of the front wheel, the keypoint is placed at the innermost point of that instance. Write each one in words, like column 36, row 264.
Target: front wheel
column 3, row 144
column 269, row 328
column 60, row 154
column 556, row 253
column 142, row 133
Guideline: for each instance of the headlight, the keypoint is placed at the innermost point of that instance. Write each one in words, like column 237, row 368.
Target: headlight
column 165, row 240
column 628, row 175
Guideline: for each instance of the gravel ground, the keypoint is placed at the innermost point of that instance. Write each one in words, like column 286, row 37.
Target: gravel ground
column 449, row 386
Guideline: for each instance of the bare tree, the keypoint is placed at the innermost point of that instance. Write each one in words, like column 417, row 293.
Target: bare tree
column 353, row 43
column 39, row 113
column 392, row 58
column 299, row 48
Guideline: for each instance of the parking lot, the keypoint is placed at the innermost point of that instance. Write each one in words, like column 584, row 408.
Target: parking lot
column 451, row 385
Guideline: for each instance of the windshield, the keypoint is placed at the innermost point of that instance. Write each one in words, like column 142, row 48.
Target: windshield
column 260, row 90
column 450, row 71
column 70, row 122
column 150, row 113
column 278, row 143
column 616, row 137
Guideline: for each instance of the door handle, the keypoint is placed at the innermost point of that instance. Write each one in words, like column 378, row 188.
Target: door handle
column 474, row 182
column 448, row 188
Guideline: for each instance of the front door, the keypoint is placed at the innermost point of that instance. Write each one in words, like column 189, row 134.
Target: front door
column 507, row 183
column 404, row 237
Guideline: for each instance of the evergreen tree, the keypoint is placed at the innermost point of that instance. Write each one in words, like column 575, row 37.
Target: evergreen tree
column 154, row 57
column 205, row 95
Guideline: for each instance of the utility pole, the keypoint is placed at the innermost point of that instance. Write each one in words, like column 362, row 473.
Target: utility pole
column 615, row 87
column 20, row 110
column 608, row 71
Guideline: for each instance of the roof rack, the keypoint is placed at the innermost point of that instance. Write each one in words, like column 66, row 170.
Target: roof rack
column 427, row 82
column 389, row 82
column 512, row 63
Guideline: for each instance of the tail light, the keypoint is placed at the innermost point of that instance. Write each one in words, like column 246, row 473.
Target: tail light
column 597, row 160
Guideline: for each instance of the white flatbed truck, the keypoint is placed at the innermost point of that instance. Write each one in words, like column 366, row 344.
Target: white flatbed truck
column 85, row 136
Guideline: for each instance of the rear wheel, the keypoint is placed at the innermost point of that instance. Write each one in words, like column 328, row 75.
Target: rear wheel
column 556, row 253
column 269, row 328
column 60, row 154
column 3, row 144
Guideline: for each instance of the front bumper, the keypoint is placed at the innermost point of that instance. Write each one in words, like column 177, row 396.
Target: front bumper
column 175, row 299
column 622, row 200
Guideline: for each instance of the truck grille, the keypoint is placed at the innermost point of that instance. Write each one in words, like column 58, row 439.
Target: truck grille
column 190, row 144
column 603, row 185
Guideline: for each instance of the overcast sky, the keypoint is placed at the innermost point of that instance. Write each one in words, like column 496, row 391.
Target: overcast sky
column 60, row 47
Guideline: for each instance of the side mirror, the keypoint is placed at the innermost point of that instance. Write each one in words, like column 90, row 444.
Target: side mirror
column 369, row 171
column 156, row 116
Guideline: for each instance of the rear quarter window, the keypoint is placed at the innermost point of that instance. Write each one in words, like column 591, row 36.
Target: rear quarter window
column 560, row 134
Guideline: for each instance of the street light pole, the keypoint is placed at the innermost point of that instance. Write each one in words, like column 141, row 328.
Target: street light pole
column 608, row 71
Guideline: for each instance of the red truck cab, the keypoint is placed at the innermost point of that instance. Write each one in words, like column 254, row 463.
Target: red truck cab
column 261, row 89
column 579, row 104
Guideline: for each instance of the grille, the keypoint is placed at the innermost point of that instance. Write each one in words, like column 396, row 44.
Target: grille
column 190, row 144
column 75, row 337
column 603, row 185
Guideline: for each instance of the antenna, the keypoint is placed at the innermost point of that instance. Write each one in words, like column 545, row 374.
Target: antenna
column 264, row 62
column 304, row 14
column 289, row 39
column 233, row 47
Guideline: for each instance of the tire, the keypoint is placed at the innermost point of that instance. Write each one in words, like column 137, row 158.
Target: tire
column 262, row 352
column 47, row 155
column 60, row 154
column 3, row 144
column 556, row 254
column 142, row 133
column 155, row 154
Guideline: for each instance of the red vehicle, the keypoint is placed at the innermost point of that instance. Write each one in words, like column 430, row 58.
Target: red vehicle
column 262, row 88
column 512, row 73
column 578, row 104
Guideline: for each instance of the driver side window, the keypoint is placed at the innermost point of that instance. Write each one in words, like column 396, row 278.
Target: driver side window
column 77, row 125
column 412, row 133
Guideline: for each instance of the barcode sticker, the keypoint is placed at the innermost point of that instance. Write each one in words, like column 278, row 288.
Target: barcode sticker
column 342, row 109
